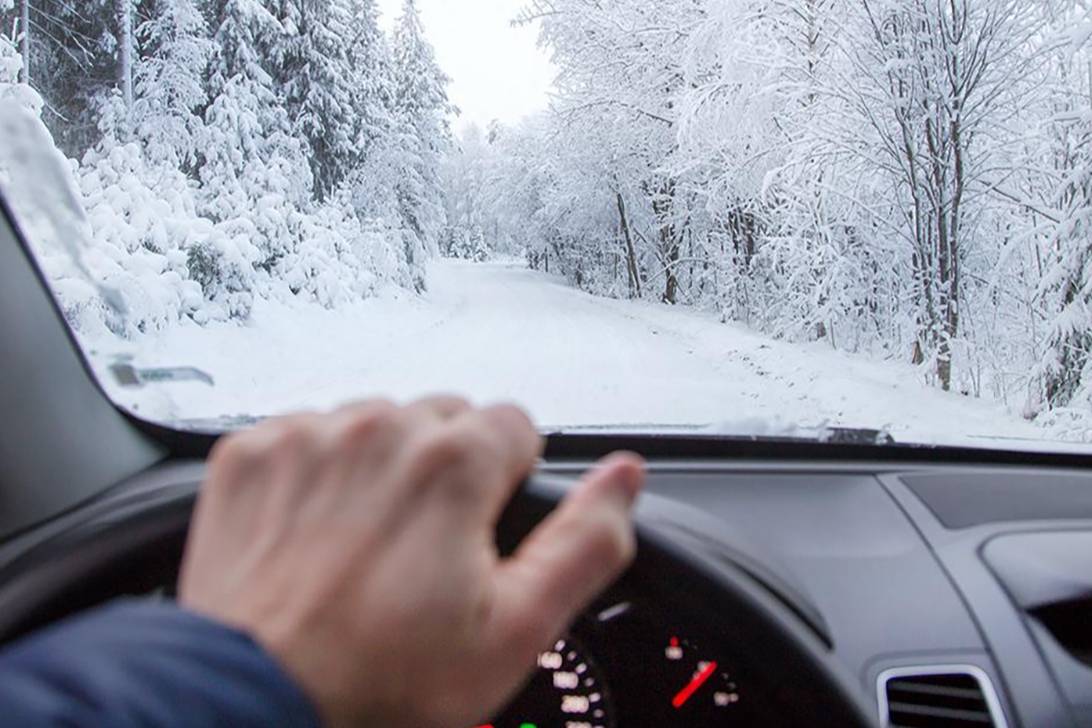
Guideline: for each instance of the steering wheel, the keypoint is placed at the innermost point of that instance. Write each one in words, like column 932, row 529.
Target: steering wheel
column 131, row 544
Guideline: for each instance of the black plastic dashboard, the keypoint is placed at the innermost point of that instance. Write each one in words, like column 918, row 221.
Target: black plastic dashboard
column 883, row 570
column 911, row 569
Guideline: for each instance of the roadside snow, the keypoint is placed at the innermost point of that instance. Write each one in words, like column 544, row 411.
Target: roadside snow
column 498, row 331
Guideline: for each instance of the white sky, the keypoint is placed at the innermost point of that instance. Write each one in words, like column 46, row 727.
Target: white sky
column 497, row 71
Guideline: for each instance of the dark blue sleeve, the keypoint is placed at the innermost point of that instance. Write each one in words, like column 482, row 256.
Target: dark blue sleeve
column 146, row 664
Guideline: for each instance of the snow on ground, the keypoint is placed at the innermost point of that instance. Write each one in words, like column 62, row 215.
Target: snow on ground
column 498, row 331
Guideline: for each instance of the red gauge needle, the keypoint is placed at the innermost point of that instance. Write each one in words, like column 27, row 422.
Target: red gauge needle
column 683, row 695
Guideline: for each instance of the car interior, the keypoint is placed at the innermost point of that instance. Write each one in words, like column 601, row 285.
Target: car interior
column 778, row 582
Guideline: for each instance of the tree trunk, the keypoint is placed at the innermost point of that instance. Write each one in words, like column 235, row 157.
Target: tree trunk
column 124, row 10
column 631, row 253
column 24, row 42
column 671, row 283
column 663, row 204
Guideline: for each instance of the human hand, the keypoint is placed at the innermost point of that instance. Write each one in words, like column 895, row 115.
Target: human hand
column 358, row 548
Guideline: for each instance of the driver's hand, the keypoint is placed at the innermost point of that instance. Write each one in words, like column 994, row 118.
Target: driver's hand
column 358, row 548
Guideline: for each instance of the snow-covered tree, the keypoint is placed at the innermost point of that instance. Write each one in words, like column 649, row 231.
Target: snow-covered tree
column 373, row 181
column 11, row 62
column 170, row 83
column 422, row 112
column 255, row 173
column 1063, row 177
column 370, row 78
column 310, row 62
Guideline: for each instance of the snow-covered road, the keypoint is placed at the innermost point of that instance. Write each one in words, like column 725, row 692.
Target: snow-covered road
column 498, row 331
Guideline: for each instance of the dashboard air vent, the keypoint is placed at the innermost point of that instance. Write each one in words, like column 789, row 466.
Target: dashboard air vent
column 939, row 697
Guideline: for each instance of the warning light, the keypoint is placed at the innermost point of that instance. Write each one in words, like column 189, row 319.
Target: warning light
column 673, row 650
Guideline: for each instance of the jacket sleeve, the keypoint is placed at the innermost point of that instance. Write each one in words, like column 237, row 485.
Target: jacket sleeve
column 148, row 664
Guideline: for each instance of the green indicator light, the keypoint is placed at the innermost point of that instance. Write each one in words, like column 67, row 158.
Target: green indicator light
column 527, row 725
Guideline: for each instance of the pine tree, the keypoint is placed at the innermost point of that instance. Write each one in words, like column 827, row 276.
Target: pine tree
column 312, row 68
column 369, row 57
column 170, row 85
column 375, row 154
column 422, row 111
column 254, row 166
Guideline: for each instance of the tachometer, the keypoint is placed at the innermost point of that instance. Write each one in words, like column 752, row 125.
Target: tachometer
column 567, row 691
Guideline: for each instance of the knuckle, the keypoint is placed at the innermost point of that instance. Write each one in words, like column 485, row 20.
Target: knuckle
column 460, row 457
column 450, row 404
column 445, row 447
column 293, row 438
column 368, row 424
column 511, row 416
column 366, row 404
column 233, row 457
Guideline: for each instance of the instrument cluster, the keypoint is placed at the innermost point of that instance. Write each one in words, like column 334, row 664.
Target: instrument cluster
column 625, row 664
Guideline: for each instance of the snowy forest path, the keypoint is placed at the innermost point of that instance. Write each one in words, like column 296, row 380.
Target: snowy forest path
column 499, row 331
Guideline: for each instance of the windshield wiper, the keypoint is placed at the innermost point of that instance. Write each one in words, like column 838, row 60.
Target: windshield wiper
column 856, row 436
column 128, row 375
column 745, row 430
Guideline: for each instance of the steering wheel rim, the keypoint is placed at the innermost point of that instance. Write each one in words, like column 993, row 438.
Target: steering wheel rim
column 132, row 546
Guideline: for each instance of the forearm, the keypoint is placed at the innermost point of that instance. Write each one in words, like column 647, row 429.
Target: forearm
column 146, row 664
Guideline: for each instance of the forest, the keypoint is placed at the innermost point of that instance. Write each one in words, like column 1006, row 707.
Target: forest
column 911, row 179
column 906, row 179
column 227, row 149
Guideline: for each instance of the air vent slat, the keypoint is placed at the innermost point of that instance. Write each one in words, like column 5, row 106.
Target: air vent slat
column 939, row 697
column 974, row 694
column 967, row 716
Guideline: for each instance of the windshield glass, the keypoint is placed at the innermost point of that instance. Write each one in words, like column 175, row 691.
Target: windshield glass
column 740, row 217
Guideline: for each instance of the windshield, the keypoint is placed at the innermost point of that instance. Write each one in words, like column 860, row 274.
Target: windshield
column 738, row 217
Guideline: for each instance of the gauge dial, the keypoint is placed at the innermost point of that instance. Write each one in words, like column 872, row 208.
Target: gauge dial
column 567, row 691
column 699, row 687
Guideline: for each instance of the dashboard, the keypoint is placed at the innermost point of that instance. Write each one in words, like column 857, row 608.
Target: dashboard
column 955, row 595
column 949, row 595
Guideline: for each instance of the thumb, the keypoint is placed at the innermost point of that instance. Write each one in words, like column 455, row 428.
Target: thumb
column 571, row 556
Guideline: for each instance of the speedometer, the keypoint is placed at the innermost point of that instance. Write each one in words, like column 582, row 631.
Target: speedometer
column 567, row 691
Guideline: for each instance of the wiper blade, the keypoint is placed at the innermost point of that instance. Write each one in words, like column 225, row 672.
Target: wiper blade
column 128, row 375
column 217, row 425
column 753, row 431
column 856, row 436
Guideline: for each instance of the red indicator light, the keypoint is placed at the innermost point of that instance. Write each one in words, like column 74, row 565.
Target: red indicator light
column 674, row 642
column 685, row 694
